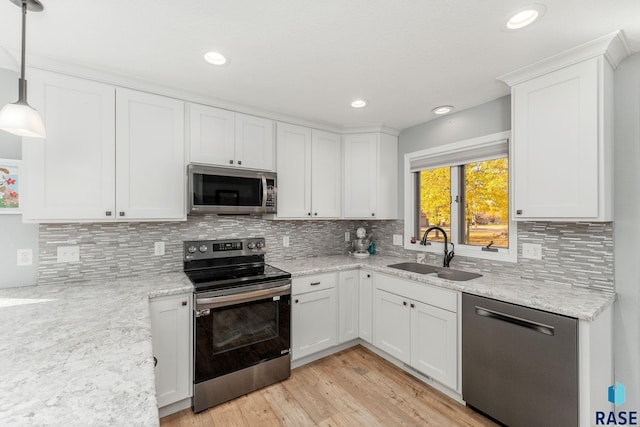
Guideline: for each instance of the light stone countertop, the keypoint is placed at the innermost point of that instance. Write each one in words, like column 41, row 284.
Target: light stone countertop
column 80, row 354
column 581, row 303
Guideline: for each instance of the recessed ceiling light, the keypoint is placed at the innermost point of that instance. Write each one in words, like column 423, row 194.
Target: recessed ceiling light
column 359, row 103
column 525, row 16
column 443, row 109
column 215, row 58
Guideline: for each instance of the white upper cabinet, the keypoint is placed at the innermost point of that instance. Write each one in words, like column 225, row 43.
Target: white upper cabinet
column 70, row 175
column 225, row 138
column 254, row 142
column 149, row 156
column 370, row 176
column 309, row 173
column 326, row 174
column 90, row 169
column 561, row 150
column 212, row 135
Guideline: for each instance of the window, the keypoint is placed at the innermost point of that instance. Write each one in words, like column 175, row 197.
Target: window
column 462, row 188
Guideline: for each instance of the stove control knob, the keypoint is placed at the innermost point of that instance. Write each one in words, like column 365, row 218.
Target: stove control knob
column 192, row 249
column 203, row 248
column 251, row 245
column 259, row 245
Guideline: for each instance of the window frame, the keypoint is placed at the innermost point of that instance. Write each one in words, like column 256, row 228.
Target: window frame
column 450, row 151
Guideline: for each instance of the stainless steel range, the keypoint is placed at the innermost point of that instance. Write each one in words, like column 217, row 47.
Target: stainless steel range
column 242, row 319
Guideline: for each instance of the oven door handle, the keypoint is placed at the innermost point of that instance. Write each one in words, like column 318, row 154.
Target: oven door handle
column 222, row 301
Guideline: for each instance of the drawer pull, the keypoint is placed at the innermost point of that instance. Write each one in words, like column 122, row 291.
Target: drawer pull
column 404, row 303
column 314, row 283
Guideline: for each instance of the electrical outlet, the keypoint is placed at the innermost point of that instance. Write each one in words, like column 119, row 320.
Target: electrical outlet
column 397, row 239
column 532, row 250
column 68, row 253
column 158, row 248
column 285, row 241
column 25, row 257
column 347, row 236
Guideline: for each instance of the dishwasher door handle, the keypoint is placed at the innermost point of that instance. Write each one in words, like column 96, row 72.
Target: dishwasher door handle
column 530, row 324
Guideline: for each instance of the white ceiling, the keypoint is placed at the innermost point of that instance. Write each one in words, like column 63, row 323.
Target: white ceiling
column 310, row 58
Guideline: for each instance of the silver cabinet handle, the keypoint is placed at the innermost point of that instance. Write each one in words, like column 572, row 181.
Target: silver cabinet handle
column 121, row 213
column 230, row 162
column 519, row 212
column 314, row 283
column 539, row 327
column 239, row 162
column 108, row 213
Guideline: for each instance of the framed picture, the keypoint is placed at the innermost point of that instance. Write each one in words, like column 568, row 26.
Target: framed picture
column 9, row 186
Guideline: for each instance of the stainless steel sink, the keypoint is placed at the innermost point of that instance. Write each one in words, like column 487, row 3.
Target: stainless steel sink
column 441, row 272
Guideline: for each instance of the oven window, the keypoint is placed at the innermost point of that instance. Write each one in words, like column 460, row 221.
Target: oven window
column 235, row 327
column 216, row 190
column 238, row 336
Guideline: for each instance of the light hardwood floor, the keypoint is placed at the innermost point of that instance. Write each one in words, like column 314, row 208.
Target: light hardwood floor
column 350, row 388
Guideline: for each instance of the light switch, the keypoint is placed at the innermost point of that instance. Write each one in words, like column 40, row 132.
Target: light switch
column 25, row 257
column 68, row 253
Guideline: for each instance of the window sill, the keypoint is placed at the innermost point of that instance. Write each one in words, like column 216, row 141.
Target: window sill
column 466, row 251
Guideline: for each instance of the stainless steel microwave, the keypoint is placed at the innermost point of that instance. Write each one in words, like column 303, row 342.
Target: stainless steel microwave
column 231, row 191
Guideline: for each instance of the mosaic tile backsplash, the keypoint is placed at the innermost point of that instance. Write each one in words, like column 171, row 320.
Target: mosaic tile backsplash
column 577, row 253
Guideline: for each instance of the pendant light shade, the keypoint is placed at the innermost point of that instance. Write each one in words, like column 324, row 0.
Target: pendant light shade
column 20, row 118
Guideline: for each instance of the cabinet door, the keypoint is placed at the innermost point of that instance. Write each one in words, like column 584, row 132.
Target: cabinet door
column 294, row 171
column 434, row 343
column 254, row 142
column 314, row 322
column 150, row 171
column 347, row 306
column 326, row 174
column 212, row 135
column 365, row 308
column 360, row 169
column 70, row 175
column 555, row 144
column 170, row 319
column 392, row 325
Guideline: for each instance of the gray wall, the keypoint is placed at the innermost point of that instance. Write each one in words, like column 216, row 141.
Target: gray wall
column 485, row 119
column 15, row 234
column 627, row 229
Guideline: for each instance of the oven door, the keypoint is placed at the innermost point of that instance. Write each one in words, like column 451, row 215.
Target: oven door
column 238, row 330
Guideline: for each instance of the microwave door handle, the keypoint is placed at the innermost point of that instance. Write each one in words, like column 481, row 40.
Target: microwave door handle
column 264, row 192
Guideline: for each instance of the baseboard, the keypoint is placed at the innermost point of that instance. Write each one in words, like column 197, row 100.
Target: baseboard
column 425, row 379
column 324, row 353
column 174, row 407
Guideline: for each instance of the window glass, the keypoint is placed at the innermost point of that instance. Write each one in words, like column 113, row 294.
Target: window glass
column 434, row 202
column 486, row 203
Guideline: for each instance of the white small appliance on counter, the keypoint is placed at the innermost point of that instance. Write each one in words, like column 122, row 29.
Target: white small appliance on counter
column 360, row 244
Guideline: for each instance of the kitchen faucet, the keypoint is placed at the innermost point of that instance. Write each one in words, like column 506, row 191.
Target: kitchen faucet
column 447, row 255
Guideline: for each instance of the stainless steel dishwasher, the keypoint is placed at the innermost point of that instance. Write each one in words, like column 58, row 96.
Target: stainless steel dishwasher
column 519, row 365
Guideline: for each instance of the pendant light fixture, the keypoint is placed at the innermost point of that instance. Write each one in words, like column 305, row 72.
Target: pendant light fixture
column 20, row 118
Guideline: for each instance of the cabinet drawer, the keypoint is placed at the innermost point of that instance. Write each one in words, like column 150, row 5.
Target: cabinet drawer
column 437, row 297
column 316, row 282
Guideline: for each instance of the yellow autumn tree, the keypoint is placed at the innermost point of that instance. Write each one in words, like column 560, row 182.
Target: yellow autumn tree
column 487, row 192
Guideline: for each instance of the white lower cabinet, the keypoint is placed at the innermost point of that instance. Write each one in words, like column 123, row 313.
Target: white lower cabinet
column 393, row 325
column 434, row 342
column 171, row 341
column 365, row 305
column 347, row 306
column 418, row 325
column 314, row 325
